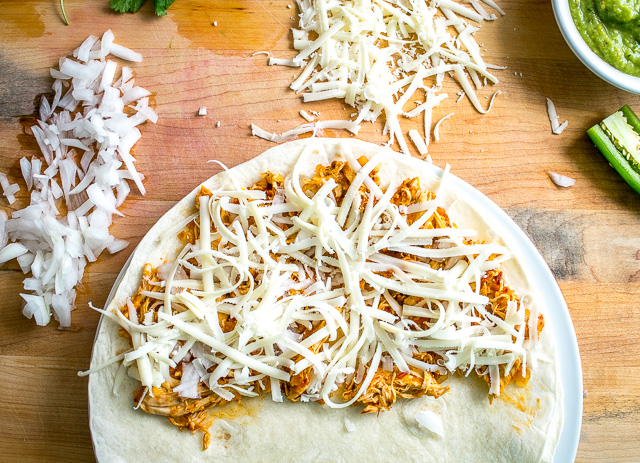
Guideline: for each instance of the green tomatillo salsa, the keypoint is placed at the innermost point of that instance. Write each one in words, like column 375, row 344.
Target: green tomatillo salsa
column 611, row 28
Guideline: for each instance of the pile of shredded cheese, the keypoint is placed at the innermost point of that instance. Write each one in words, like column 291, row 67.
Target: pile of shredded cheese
column 85, row 134
column 301, row 260
column 376, row 54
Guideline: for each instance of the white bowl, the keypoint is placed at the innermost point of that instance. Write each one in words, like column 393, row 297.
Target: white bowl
column 580, row 48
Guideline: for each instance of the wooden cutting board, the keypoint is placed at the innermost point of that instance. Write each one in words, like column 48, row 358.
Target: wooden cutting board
column 588, row 233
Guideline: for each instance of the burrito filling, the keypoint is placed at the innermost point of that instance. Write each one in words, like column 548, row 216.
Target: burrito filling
column 332, row 289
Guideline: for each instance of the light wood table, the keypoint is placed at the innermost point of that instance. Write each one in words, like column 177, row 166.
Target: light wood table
column 588, row 234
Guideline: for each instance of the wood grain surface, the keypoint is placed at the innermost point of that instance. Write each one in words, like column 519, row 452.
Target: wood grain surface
column 588, row 234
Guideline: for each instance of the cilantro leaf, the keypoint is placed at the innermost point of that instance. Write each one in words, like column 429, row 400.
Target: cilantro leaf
column 125, row 6
column 161, row 6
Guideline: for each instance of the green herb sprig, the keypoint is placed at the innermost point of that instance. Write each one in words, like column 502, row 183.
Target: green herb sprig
column 131, row 6
column 64, row 15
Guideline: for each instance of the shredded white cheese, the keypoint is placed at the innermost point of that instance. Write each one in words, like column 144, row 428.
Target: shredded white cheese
column 330, row 249
column 306, row 116
column 418, row 141
column 436, row 129
column 283, row 62
column 377, row 55
column 314, row 127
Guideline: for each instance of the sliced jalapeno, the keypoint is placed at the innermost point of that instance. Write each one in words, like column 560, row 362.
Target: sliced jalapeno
column 618, row 139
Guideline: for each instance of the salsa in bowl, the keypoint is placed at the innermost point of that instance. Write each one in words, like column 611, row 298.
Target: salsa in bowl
column 605, row 36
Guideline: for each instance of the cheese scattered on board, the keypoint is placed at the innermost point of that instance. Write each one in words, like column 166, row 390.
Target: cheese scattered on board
column 377, row 54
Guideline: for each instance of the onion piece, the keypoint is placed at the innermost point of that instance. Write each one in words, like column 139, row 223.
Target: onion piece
column 61, row 309
column 8, row 189
column 82, row 52
column 431, row 421
column 11, row 251
column 349, row 425
column 556, row 128
column 4, row 237
column 117, row 246
column 100, row 199
column 35, row 307
column 135, row 94
column 188, row 386
column 25, row 167
column 561, row 180
column 387, row 363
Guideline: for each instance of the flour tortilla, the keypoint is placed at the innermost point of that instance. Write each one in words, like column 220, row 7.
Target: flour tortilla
column 522, row 425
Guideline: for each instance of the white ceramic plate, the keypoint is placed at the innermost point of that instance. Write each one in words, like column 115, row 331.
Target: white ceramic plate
column 559, row 318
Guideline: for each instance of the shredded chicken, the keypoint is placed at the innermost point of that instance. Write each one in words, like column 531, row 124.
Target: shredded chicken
column 164, row 401
column 183, row 412
column 387, row 386
column 299, row 383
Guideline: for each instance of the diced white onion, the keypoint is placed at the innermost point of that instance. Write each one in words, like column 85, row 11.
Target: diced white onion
column 561, row 180
column 349, row 425
column 556, row 128
column 188, row 386
column 56, row 248
column 431, row 421
column 11, row 251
